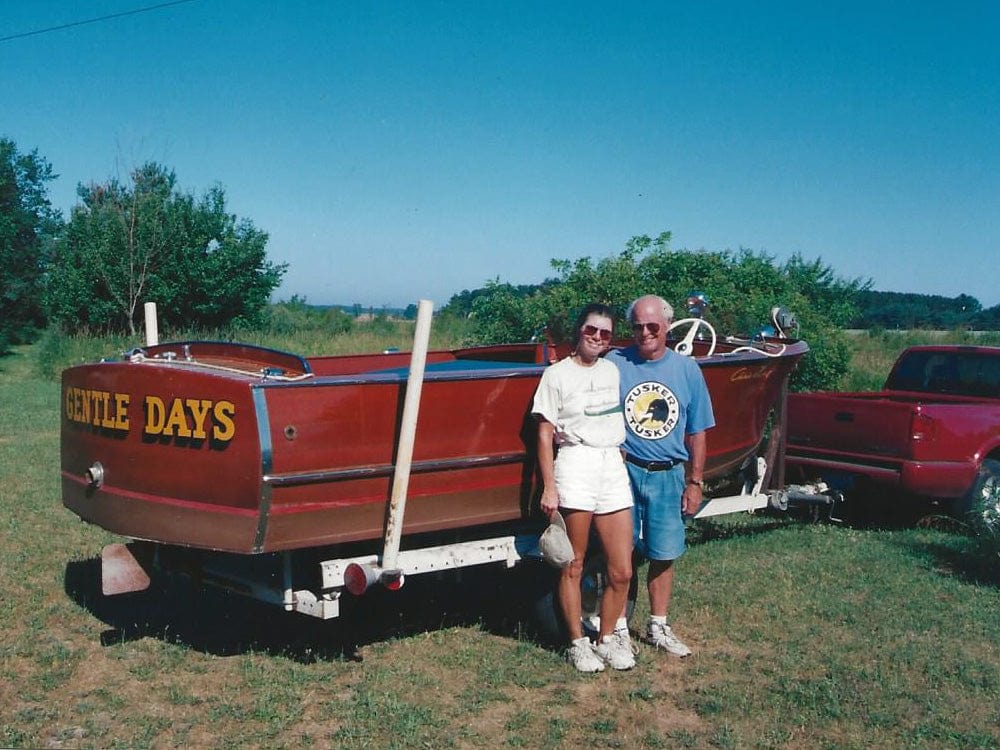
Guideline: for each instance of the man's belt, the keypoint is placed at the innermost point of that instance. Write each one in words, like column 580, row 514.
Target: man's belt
column 652, row 465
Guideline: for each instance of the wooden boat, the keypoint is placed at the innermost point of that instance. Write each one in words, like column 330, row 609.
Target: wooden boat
column 236, row 448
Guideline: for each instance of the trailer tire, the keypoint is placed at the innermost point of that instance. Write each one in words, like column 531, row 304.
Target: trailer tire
column 550, row 625
column 981, row 504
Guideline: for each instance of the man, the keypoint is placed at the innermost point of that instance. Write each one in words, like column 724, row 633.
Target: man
column 667, row 410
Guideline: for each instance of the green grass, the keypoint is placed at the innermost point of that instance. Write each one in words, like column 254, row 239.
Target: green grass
column 805, row 635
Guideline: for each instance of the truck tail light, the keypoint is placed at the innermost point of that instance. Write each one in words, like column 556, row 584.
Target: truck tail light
column 922, row 427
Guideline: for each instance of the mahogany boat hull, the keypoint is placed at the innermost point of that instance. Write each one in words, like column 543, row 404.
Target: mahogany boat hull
column 248, row 450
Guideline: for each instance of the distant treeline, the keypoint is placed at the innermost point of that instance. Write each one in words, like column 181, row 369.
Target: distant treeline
column 889, row 310
column 904, row 310
column 358, row 310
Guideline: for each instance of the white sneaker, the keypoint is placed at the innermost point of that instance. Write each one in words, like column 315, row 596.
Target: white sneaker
column 582, row 655
column 623, row 636
column 616, row 650
column 661, row 636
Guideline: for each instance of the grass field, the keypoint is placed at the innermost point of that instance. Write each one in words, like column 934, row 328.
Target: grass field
column 806, row 635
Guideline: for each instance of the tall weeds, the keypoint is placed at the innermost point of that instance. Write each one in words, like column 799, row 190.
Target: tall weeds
column 307, row 336
column 875, row 351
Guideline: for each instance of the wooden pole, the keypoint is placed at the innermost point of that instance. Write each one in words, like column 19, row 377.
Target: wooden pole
column 407, row 433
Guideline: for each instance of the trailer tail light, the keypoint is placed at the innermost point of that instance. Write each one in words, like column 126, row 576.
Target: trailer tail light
column 922, row 427
column 392, row 579
column 359, row 578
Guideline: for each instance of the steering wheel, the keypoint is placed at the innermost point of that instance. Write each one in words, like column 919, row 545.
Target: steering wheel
column 685, row 347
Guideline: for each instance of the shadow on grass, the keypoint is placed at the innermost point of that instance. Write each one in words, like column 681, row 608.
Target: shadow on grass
column 491, row 598
column 860, row 511
column 883, row 510
column 973, row 559
column 714, row 530
column 225, row 624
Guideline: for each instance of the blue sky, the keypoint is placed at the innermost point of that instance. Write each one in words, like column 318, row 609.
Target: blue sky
column 403, row 151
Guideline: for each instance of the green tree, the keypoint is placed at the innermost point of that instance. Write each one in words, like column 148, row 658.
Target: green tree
column 742, row 286
column 987, row 320
column 145, row 241
column 461, row 305
column 28, row 224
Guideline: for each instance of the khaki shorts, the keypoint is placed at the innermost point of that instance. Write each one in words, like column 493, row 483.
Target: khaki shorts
column 592, row 479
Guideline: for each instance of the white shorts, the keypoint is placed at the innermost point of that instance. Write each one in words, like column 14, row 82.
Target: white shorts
column 592, row 479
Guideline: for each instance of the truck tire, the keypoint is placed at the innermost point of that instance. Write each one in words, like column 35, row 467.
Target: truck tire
column 550, row 625
column 981, row 504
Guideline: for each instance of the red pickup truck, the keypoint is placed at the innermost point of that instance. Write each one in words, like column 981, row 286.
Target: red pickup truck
column 933, row 431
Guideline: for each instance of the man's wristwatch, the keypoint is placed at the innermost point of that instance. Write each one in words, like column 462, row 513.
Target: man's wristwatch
column 699, row 482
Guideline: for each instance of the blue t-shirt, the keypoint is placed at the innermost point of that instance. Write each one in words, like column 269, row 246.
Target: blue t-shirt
column 664, row 400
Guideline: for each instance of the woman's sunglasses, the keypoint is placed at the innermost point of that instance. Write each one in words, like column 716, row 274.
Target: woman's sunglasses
column 603, row 333
column 654, row 328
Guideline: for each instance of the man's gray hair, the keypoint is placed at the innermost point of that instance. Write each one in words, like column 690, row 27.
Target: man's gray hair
column 668, row 310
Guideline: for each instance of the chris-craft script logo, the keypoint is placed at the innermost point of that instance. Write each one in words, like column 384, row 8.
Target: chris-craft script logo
column 651, row 410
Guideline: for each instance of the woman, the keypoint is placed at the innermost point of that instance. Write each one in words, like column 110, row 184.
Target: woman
column 578, row 408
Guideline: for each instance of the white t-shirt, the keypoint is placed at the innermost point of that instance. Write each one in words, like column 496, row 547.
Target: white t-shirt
column 583, row 403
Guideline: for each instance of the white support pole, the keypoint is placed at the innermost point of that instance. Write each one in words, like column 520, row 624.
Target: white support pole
column 407, row 433
column 152, row 333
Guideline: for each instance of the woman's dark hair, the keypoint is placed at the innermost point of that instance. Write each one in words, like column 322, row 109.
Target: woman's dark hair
column 594, row 308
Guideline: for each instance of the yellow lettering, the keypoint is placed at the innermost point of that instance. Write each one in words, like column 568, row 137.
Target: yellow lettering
column 121, row 411
column 177, row 421
column 95, row 407
column 224, row 428
column 102, row 409
column 156, row 414
column 199, row 409
column 106, row 419
column 83, row 406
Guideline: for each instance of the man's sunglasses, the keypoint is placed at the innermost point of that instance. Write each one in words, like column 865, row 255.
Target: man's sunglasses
column 654, row 328
column 604, row 333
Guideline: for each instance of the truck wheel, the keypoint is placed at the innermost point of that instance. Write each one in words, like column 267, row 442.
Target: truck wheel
column 547, row 615
column 981, row 504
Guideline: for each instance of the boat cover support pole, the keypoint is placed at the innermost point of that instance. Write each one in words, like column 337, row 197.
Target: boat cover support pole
column 152, row 330
column 407, row 433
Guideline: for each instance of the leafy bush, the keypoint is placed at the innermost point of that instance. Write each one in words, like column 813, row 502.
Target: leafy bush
column 743, row 287
column 296, row 315
column 57, row 350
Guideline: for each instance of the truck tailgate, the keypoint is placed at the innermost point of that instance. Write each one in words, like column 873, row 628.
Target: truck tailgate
column 856, row 423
